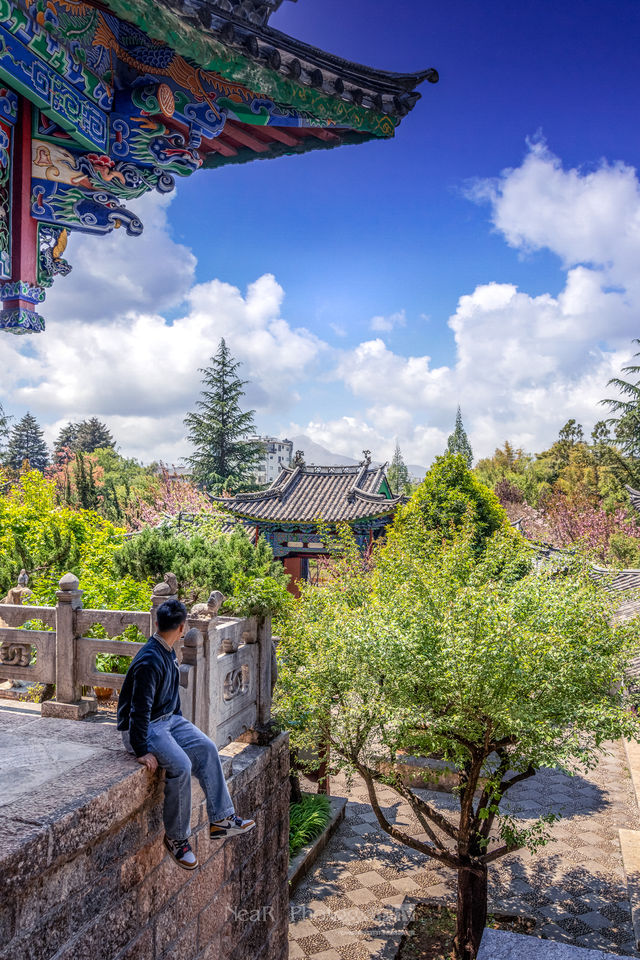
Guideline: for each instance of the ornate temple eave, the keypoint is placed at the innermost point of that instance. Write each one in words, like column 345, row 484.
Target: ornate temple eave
column 280, row 66
column 103, row 101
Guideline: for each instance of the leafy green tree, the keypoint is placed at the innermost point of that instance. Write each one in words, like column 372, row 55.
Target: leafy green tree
column 27, row 445
column 498, row 669
column 447, row 496
column 49, row 540
column 398, row 475
column 219, row 430
column 627, row 407
column 458, row 441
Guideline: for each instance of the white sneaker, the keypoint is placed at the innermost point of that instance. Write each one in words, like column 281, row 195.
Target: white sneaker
column 181, row 852
column 230, row 827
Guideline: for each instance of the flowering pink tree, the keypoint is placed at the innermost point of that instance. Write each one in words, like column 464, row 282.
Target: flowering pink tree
column 168, row 495
column 580, row 520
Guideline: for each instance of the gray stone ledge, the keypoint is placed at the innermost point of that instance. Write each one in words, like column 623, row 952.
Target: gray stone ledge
column 504, row 945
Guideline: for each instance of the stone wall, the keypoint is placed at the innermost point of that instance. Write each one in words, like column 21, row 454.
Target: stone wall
column 83, row 871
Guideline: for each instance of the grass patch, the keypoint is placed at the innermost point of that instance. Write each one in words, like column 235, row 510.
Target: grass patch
column 307, row 819
column 430, row 934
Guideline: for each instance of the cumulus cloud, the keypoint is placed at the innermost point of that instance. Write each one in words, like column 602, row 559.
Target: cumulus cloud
column 116, row 273
column 521, row 364
column 136, row 370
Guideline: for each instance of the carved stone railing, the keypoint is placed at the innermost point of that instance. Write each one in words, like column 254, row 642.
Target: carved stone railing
column 227, row 671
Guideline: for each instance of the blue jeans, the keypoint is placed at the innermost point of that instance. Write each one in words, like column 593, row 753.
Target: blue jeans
column 181, row 748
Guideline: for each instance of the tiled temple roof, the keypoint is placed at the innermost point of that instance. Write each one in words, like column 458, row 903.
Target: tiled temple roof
column 308, row 493
column 634, row 496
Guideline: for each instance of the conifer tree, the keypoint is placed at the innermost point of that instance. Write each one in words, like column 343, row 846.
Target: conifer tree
column 626, row 424
column 398, row 475
column 85, row 436
column 5, row 420
column 458, row 441
column 219, row 429
column 93, row 435
column 67, row 438
column 26, row 444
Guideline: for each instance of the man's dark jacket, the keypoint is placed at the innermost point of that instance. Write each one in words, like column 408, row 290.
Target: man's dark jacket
column 150, row 690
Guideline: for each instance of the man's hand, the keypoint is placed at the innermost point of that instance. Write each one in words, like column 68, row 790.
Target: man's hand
column 149, row 761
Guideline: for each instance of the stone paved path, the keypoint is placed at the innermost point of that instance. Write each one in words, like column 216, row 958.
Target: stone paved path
column 357, row 900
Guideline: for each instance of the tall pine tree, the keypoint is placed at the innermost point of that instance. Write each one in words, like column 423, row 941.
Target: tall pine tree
column 5, row 420
column 26, row 444
column 398, row 475
column 84, row 437
column 458, row 441
column 219, row 429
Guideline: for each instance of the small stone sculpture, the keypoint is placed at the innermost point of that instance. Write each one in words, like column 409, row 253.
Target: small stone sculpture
column 208, row 610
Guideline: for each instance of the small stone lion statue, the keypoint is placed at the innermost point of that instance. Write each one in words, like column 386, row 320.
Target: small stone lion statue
column 208, row 610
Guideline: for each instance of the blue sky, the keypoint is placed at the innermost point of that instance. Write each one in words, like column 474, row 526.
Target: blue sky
column 517, row 170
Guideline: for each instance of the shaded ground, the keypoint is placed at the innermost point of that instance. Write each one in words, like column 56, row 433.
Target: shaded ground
column 359, row 899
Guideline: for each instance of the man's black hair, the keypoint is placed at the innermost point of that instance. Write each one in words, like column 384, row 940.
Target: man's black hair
column 170, row 615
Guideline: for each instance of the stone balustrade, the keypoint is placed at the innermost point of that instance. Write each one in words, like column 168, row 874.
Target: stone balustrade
column 227, row 671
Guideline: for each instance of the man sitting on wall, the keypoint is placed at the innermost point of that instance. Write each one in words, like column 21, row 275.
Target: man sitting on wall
column 154, row 729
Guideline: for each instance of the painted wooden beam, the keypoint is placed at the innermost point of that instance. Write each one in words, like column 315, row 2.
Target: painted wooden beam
column 42, row 86
column 236, row 134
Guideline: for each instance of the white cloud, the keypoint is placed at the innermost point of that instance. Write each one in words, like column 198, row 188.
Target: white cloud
column 386, row 324
column 522, row 364
column 116, row 273
column 109, row 352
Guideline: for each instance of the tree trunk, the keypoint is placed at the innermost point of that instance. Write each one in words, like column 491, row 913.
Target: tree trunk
column 471, row 909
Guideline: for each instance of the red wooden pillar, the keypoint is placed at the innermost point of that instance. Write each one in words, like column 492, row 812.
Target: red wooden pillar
column 21, row 293
column 293, row 566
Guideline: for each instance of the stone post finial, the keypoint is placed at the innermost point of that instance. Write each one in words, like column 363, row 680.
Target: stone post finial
column 23, row 579
column 68, row 583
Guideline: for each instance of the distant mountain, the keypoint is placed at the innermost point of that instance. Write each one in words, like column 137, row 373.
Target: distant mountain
column 315, row 453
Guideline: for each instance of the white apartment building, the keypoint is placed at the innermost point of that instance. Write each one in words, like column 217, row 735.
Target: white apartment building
column 278, row 454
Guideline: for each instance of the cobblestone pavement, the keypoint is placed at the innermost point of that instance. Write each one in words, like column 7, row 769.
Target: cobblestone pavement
column 357, row 900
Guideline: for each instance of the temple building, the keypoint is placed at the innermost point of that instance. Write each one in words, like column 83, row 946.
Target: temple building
column 289, row 512
column 102, row 102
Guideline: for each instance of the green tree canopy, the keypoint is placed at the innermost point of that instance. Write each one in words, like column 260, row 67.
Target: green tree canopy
column 497, row 668
column 26, row 444
column 219, row 430
column 398, row 475
column 447, row 496
column 458, row 441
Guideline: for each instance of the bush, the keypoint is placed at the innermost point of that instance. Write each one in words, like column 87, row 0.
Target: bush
column 207, row 561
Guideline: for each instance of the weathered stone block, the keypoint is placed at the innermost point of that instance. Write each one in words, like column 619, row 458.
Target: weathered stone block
column 104, row 938
column 184, row 948
column 141, row 948
column 134, row 869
